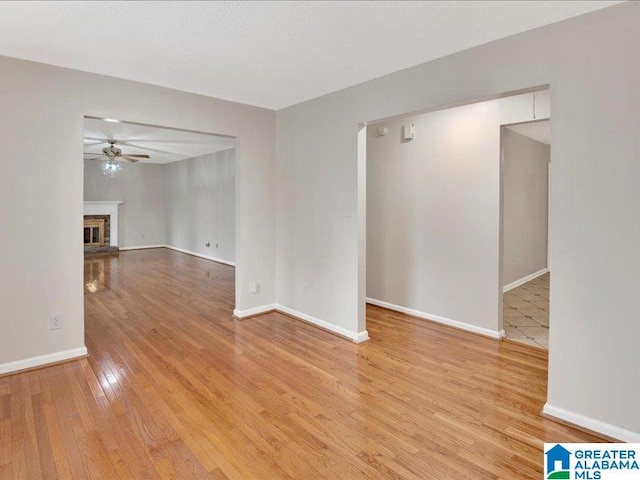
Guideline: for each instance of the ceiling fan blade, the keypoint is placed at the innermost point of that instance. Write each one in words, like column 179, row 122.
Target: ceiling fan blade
column 137, row 156
column 97, row 158
column 91, row 153
column 127, row 158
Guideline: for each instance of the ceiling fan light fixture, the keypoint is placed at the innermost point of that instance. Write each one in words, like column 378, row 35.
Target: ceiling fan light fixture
column 111, row 167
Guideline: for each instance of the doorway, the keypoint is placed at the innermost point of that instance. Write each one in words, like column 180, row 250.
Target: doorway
column 430, row 210
column 525, row 165
column 153, row 187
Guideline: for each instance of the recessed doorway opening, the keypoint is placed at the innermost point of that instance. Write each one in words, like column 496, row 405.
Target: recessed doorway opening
column 525, row 167
column 153, row 187
column 430, row 210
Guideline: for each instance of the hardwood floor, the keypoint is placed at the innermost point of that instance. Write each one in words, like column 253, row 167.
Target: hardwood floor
column 176, row 388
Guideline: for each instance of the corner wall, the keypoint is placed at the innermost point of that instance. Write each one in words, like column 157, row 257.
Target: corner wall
column 41, row 189
column 183, row 205
column 589, row 61
column 200, row 205
column 525, row 215
column 433, row 211
column 141, row 188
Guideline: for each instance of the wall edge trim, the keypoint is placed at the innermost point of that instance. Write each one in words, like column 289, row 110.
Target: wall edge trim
column 523, row 280
column 182, row 250
column 38, row 361
column 495, row 334
column 591, row 424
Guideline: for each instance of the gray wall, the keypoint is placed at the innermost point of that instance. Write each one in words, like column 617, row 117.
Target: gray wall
column 590, row 63
column 141, row 218
column 200, row 205
column 525, row 196
column 42, row 187
column 183, row 204
column 429, row 202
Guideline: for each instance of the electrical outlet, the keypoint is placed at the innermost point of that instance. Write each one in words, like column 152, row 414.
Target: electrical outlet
column 55, row 321
column 208, row 244
column 253, row 286
column 217, row 245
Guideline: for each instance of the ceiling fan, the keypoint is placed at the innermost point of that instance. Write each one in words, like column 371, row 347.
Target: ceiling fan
column 114, row 153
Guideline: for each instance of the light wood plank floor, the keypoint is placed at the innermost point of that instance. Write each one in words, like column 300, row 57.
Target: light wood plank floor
column 176, row 388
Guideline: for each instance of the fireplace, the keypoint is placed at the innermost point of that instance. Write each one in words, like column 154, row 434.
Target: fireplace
column 94, row 232
column 100, row 228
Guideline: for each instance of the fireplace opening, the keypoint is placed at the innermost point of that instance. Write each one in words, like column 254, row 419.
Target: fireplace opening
column 94, row 232
column 96, row 235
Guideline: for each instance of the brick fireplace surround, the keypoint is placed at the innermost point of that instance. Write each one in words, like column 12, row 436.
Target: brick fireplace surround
column 107, row 210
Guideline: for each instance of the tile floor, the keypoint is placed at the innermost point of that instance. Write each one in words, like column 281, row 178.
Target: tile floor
column 526, row 313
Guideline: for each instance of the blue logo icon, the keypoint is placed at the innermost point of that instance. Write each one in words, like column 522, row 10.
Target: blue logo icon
column 558, row 463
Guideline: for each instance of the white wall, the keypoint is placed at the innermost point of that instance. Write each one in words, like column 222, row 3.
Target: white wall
column 433, row 210
column 141, row 188
column 41, row 188
column 182, row 204
column 590, row 63
column 525, row 196
column 200, row 206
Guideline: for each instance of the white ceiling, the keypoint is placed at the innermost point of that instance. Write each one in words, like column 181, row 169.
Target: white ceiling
column 272, row 54
column 539, row 131
column 163, row 145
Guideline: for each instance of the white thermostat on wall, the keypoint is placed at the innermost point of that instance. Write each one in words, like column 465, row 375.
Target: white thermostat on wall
column 408, row 131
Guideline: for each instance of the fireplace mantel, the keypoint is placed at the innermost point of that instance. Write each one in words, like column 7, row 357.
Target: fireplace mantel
column 106, row 208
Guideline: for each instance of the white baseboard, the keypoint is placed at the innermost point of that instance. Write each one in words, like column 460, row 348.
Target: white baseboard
column 250, row 312
column 142, row 247
column 355, row 337
column 182, row 250
column 496, row 334
column 196, row 254
column 362, row 337
column 591, row 424
column 524, row 280
column 42, row 360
